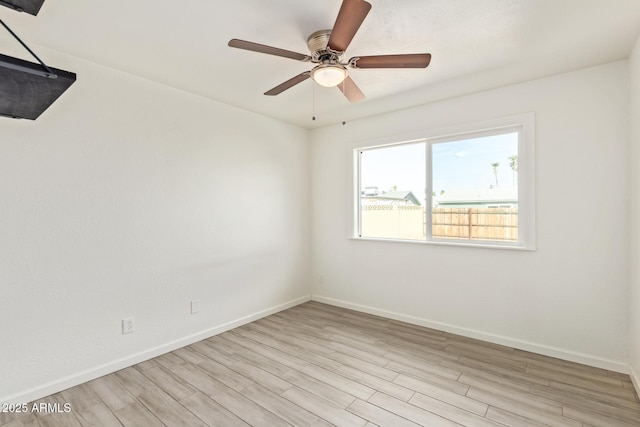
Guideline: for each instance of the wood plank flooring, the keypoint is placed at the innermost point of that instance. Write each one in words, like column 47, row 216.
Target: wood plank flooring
column 318, row 365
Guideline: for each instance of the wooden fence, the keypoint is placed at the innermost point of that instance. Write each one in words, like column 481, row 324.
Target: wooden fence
column 475, row 223
column 408, row 222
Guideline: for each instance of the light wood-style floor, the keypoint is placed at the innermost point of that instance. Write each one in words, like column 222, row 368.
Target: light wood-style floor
column 318, row 365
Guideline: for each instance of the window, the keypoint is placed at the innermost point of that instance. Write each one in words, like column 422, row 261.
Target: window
column 471, row 187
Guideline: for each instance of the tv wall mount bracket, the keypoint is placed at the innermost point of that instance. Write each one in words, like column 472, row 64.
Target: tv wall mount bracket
column 46, row 72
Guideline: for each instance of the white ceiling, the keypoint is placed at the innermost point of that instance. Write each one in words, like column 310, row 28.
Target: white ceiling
column 476, row 45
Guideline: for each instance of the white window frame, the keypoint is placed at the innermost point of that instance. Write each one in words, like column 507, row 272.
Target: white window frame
column 523, row 123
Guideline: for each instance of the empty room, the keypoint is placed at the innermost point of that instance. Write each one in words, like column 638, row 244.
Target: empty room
column 320, row 212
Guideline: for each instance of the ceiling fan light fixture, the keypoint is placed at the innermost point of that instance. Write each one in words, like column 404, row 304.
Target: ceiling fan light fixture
column 329, row 75
column 327, row 48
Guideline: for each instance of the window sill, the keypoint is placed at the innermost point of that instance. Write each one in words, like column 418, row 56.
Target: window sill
column 457, row 243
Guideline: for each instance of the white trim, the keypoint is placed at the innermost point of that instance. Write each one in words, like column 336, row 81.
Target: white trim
column 357, row 189
column 457, row 243
column 559, row 353
column 526, row 181
column 428, row 199
column 116, row 365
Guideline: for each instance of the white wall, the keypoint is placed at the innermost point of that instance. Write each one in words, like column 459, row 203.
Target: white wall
column 129, row 198
column 569, row 297
column 634, row 64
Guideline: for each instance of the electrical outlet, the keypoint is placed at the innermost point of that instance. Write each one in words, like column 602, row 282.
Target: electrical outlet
column 128, row 325
column 195, row 306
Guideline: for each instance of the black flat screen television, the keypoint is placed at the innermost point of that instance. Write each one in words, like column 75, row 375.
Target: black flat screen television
column 30, row 6
column 26, row 91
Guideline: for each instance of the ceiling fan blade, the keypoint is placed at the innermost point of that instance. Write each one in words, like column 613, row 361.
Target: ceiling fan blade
column 289, row 84
column 350, row 17
column 350, row 90
column 261, row 48
column 415, row 60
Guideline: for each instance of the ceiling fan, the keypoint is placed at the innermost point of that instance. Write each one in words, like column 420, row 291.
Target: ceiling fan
column 327, row 51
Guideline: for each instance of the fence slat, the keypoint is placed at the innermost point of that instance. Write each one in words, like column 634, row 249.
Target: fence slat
column 475, row 223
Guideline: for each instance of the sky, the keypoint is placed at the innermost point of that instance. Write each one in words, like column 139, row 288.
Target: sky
column 458, row 164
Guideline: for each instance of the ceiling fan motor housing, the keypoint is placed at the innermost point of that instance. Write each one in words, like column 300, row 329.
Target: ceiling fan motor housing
column 320, row 52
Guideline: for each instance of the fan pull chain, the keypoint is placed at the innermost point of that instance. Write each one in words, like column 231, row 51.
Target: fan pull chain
column 313, row 101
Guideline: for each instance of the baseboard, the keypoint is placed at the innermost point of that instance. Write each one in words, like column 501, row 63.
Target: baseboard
column 584, row 359
column 635, row 380
column 116, row 365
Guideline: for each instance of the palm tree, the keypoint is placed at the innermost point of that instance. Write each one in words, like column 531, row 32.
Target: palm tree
column 495, row 171
column 513, row 162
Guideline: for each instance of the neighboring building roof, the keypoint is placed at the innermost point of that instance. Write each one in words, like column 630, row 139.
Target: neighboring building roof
column 406, row 196
column 479, row 195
